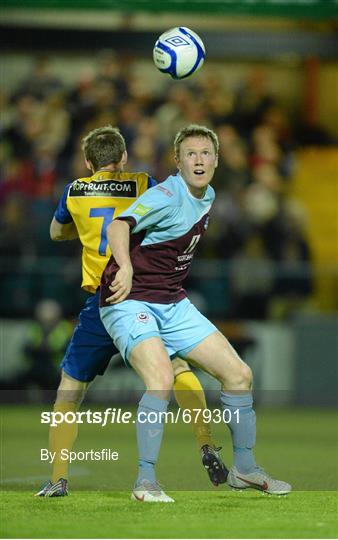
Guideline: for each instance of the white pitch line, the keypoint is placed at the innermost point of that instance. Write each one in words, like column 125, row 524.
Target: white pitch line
column 80, row 471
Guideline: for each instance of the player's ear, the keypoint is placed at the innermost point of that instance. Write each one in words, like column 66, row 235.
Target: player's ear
column 124, row 158
column 89, row 165
column 216, row 161
column 177, row 161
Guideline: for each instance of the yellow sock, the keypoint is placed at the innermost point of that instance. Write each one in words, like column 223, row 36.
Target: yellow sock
column 190, row 395
column 62, row 436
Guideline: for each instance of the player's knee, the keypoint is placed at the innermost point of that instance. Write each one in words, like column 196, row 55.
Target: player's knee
column 180, row 366
column 70, row 390
column 163, row 380
column 168, row 380
column 69, row 396
column 240, row 378
column 247, row 375
column 244, row 377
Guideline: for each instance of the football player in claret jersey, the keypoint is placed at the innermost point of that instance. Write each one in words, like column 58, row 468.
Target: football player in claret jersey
column 146, row 310
column 85, row 209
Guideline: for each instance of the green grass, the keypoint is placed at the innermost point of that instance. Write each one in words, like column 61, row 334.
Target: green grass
column 224, row 514
column 298, row 446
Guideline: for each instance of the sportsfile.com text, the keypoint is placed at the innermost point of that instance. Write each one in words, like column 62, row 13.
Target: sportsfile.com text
column 118, row 416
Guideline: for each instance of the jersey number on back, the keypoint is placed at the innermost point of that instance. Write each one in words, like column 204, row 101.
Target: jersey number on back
column 107, row 215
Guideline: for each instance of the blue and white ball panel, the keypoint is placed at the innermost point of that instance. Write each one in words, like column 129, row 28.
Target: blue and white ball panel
column 180, row 326
column 179, row 52
column 197, row 54
column 164, row 58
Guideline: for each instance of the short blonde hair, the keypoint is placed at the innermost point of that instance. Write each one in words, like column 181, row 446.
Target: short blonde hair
column 194, row 130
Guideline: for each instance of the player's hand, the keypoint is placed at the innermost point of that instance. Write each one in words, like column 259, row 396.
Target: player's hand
column 121, row 286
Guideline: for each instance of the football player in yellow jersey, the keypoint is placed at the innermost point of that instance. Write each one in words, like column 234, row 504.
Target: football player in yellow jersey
column 85, row 209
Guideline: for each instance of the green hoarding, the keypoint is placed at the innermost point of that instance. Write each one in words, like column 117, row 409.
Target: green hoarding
column 313, row 9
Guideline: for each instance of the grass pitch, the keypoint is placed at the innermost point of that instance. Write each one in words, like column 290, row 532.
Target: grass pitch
column 221, row 514
column 298, row 446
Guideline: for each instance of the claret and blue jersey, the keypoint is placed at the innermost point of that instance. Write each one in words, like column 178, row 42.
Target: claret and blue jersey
column 167, row 222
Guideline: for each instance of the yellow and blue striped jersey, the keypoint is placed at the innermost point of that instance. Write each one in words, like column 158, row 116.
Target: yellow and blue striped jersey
column 92, row 203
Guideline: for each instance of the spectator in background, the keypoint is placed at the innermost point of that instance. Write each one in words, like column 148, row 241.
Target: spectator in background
column 171, row 114
column 129, row 115
column 144, row 154
column 286, row 244
column 110, row 69
column 40, row 81
column 15, row 224
column 26, row 125
column 47, row 340
column 251, row 101
column 232, row 179
column 252, row 280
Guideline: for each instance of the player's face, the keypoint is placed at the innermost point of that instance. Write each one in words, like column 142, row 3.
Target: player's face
column 197, row 162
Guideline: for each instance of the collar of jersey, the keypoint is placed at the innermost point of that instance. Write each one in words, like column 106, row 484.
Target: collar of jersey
column 104, row 174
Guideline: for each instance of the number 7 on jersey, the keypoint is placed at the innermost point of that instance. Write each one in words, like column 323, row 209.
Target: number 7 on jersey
column 107, row 215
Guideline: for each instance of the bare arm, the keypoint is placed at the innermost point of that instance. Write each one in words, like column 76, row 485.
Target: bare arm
column 62, row 231
column 118, row 238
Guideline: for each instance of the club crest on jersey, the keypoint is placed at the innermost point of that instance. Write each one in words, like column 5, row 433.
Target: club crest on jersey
column 143, row 317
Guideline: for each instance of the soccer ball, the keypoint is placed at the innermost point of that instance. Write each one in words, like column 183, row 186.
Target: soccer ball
column 179, row 52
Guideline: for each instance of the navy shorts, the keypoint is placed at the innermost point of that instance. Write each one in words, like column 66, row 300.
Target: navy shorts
column 91, row 347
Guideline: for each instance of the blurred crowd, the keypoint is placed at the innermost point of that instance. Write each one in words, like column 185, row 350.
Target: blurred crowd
column 256, row 229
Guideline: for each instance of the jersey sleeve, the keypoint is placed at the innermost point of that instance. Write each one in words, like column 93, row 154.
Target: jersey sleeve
column 150, row 210
column 62, row 214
